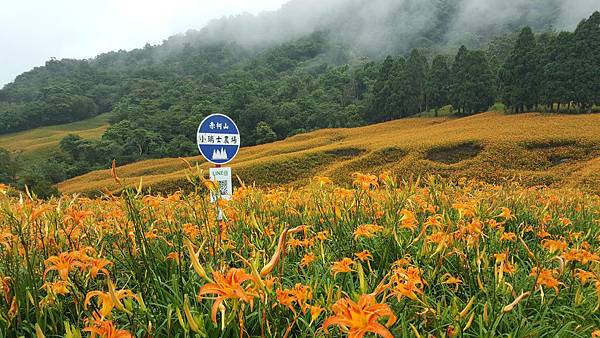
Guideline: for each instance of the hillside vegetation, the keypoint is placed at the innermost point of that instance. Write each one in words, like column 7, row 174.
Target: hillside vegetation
column 37, row 142
column 559, row 150
column 283, row 90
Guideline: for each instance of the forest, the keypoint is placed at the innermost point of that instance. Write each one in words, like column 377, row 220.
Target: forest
column 282, row 90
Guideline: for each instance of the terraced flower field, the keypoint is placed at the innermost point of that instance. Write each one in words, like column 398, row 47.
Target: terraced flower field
column 36, row 143
column 554, row 150
column 380, row 257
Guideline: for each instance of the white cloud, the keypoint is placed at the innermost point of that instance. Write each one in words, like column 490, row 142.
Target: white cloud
column 33, row 31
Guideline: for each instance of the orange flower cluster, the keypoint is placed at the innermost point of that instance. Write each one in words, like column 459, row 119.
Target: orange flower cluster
column 359, row 318
column 302, row 261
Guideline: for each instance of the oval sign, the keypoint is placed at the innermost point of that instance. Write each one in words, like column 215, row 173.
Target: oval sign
column 218, row 139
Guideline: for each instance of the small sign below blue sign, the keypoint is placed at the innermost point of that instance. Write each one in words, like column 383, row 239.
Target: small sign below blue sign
column 218, row 139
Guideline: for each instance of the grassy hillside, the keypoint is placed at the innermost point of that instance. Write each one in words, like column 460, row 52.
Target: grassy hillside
column 35, row 142
column 557, row 150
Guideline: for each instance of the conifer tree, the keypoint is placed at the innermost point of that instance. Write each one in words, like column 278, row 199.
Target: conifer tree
column 522, row 77
column 545, row 45
column 438, row 83
column 398, row 82
column 479, row 83
column 458, row 80
column 416, row 73
column 585, row 50
column 382, row 91
column 559, row 82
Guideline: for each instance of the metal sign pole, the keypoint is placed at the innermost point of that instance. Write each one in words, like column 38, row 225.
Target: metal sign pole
column 219, row 211
column 219, row 142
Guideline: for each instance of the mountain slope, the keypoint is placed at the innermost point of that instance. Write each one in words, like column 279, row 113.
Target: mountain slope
column 490, row 146
column 37, row 142
column 69, row 90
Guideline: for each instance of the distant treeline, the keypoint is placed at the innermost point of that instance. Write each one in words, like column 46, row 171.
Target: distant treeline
column 554, row 69
column 158, row 99
column 551, row 72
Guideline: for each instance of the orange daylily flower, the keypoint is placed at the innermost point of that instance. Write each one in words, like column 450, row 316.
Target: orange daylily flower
column 465, row 209
column 545, row 277
column 364, row 255
column 408, row 220
column 343, row 193
column 385, row 176
column 322, row 235
column 565, row 221
column 63, row 263
column 434, row 221
column 107, row 329
column 76, row 216
column 14, row 308
column 508, row 236
column 57, row 288
column 98, row 265
column 6, row 281
column 449, row 279
column 300, row 295
column 37, row 212
column 506, row 213
column 108, row 300
column 321, row 180
column 584, row 276
column 315, row 312
column 580, row 255
column 229, row 286
column 406, row 282
column 367, row 230
column 358, row 318
column 210, row 185
column 345, row 265
column 365, row 181
column 503, row 265
column 307, row 260
column 554, row 245
column 173, row 256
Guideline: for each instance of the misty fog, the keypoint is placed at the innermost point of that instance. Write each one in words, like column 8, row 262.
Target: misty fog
column 380, row 27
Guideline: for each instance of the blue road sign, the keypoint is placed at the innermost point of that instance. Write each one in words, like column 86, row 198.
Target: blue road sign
column 218, row 139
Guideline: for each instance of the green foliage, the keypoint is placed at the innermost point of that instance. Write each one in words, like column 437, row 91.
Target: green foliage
column 459, row 79
column 8, row 167
column 264, row 133
column 522, row 81
column 159, row 94
column 416, row 72
column 438, row 83
column 479, row 87
column 555, row 70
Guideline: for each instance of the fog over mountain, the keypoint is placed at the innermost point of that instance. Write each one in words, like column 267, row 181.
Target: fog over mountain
column 380, row 27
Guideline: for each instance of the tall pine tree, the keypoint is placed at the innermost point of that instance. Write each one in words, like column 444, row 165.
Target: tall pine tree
column 458, row 80
column 559, row 84
column 479, row 83
column 438, row 83
column 585, row 50
column 381, row 92
column 522, row 77
column 545, row 45
column 398, row 82
column 416, row 72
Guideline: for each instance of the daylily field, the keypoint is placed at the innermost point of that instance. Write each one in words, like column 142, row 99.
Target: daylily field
column 381, row 257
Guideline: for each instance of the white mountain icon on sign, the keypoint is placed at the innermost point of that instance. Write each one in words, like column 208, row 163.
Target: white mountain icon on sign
column 219, row 154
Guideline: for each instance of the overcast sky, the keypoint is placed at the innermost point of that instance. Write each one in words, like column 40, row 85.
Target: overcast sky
column 33, row 31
